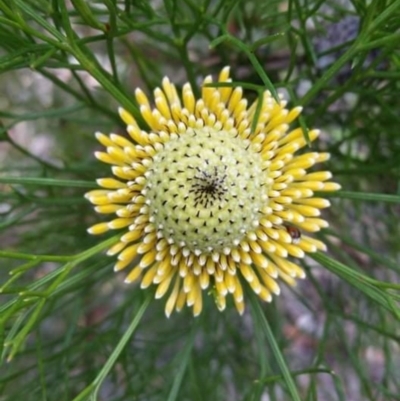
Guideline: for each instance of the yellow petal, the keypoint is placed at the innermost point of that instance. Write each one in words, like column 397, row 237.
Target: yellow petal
column 293, row 114
column 148, row 277
column 133, row 275
column 131, row 236
column 255, row 284
column 170, row 92
column 307, row 211
column 230, row 283
column 271, row 284
column 139, row 136
column 106, row 158
column 99, row 228
column 129, row 253
column 235, row 98
column 181, row 300
column 198, row 303
column 294, row 250
column 247, row 272
column 148, row 259
column 225, row 92
column 239, row 304
column 121, row 264
column 188, row 283
column 312, row 224
column 119, row 223
column 188, row 98
column 259, row 259
column 118, row 155
column 117, row 248
column 169, row 306
column 162, row 103
column 127, row 117
column 238, row 293
column 103, row 139
column 204, row 279
column 312, row 242
column 312, row 185
column 107, row 209
column 207, row 91
column 147, row 247
column 220, row 301
column 265, row 295
column 318, row 176
column 122, row 142
column 141, row 98
column 193, row 294
column 110, row 183
column 319, row 203
column 289, row 268
column 330, row 186
column 163, row 287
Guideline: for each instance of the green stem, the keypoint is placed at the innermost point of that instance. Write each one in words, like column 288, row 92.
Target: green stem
column 287, row 376
column 94, row 387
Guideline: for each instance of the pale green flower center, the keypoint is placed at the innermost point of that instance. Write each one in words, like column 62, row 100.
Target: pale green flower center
column 205, row 190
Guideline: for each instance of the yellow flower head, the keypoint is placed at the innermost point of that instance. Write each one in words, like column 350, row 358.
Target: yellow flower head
column 204, row 202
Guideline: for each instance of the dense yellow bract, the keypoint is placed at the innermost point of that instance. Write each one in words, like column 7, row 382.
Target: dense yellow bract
column 204, row 202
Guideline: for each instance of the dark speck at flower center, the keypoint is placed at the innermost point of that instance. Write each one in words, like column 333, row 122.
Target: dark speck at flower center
column 208, row 187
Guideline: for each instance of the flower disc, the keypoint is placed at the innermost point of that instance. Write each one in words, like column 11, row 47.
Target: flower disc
column 205, row 190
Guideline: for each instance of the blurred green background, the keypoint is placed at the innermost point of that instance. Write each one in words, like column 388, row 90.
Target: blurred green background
column 70, row 328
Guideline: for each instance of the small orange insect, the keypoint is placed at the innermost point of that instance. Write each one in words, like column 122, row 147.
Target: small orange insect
column 294, row 232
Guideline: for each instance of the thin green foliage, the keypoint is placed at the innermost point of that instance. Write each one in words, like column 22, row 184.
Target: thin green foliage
column 69, row 328
column 271, row 340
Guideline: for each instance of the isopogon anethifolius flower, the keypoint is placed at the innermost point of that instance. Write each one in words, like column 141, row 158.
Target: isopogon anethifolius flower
column 204, row 202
